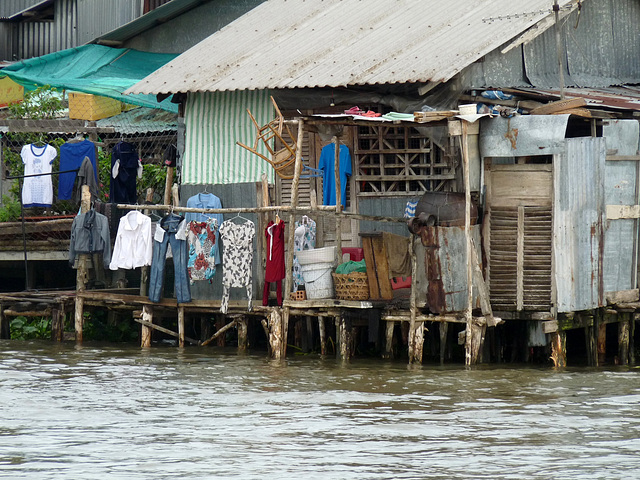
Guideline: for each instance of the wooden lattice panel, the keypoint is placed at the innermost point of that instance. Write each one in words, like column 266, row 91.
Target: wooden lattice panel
column 393, row 160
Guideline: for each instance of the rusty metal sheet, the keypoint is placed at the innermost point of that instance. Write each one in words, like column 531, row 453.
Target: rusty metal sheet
column 523, row 135
column 578, row 226
column 442, row 268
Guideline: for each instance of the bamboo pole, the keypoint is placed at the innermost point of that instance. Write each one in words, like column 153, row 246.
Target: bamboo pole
column 320, row 210
column 243, row 342
column 336, row 174
column 290, row 240
column 467, row 235
column 180, row 325
column 81, row 272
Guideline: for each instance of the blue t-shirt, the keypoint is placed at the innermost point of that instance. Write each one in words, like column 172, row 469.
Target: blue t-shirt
column 71, row 157
column 327, row 164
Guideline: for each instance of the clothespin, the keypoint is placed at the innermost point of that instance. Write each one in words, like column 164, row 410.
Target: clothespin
column 277, row 218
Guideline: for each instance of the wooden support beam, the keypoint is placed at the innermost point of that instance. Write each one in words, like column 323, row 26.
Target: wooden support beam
column 219, row 332
column 164, row 330
column 388, row 346
column 602, row 343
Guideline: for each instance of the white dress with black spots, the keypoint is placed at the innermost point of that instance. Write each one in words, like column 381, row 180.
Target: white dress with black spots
column 237, row 258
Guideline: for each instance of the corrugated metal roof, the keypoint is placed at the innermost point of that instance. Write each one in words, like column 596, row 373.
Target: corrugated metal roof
column 149, row 20
column 293, row 44
column 621, row 98
column 141, row 120
column 9, row 7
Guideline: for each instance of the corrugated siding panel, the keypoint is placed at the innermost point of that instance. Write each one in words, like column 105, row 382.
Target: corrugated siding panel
column 387, row 207
column 603, row 50
column 578, row 224
column 11, row 7
column 214, row 122
column 97, row 18
column 66, row 23
column 238, row 195
column 451, row 271
column 621, row 182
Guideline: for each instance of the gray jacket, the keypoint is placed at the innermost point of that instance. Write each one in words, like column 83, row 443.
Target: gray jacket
column 90, row 234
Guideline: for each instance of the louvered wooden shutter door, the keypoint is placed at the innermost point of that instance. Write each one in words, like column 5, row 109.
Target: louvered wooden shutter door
column 519, row 241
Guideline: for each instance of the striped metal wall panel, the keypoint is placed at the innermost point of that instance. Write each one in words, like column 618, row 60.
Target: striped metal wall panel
column 98, row 17
column 621, row 187
column 578, row 224
column 214, row 122
column 387, row 207
column 11, row 7
column 238, row 195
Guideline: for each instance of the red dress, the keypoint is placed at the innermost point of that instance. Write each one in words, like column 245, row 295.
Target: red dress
column 274, row 234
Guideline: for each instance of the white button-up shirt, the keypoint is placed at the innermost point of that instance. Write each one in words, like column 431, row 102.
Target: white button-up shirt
column 133, row 242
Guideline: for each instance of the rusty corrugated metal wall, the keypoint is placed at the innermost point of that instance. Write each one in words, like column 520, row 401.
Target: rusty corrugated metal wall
column 621, row 188
column 578, row 224
column 75, row 22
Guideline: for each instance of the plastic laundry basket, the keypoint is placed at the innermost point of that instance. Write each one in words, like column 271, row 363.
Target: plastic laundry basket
column 317, row 280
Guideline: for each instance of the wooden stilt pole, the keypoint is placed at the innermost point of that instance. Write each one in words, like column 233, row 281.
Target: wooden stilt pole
column 602, row 343
column 243, row 342
column 290, row 240
column 467, row 235
column 323, row 336
column 623, row 340
column 444, row 330
column 388, row 335
column 5, row 329
column 180, row 326
column 344, row 336
column 144, row 271
column 275, row 324
column 145, row 333
column 57, row 323
column 82, row 271
column 416, row 329
column 632, row 330
column 559, row 349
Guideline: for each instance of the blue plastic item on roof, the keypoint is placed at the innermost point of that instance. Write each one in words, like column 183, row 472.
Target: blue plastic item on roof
column 496, row 95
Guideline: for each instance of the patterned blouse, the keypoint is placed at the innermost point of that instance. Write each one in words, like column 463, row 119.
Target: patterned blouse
column 201, row 237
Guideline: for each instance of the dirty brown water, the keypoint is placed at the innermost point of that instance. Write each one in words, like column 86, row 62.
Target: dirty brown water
column 105, row 412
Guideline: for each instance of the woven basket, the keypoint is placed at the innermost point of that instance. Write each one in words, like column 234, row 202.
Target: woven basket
column 351, row 286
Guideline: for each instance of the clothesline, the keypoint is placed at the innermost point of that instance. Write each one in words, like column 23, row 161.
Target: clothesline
column 317, row 210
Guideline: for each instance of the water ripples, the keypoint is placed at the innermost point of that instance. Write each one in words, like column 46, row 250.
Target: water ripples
column 94, row 412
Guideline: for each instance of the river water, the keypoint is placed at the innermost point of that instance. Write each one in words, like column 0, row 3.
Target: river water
column 111, row 412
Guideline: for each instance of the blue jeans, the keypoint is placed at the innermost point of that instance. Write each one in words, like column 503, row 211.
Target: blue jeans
column 179, row 249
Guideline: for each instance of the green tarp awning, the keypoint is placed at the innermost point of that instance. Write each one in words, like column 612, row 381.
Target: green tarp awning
column 94, row 69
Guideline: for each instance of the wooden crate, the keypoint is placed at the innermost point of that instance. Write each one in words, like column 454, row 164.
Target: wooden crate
column 83, row 106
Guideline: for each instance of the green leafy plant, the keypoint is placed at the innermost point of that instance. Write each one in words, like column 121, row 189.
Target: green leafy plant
column 42, row 103
column 23, row 328
column 10, row 209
